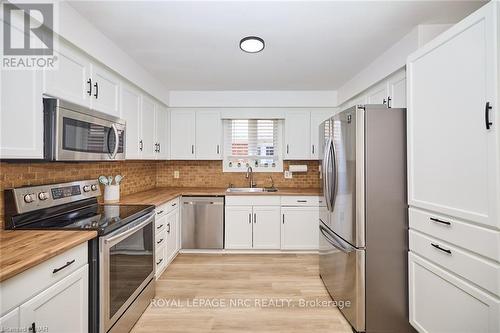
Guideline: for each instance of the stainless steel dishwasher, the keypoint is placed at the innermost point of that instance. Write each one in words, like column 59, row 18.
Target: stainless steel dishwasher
column 202, row 223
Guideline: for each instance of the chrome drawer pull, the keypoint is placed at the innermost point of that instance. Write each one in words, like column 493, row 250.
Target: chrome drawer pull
column 433, row 219
column 440, row 248
column 63, row 267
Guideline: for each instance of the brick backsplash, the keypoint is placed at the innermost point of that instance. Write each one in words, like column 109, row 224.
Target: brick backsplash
column 143, row 175
column 209, row 174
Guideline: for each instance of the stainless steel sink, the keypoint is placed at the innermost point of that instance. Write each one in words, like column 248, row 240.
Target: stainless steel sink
column 250, row 189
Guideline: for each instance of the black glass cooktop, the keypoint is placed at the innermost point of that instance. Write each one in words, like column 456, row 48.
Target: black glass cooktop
column 102, row 218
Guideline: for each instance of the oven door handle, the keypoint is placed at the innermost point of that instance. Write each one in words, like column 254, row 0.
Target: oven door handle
column 150, row 218
column 117, row 139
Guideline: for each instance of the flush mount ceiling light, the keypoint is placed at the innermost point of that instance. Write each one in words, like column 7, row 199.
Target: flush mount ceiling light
column 252, row 44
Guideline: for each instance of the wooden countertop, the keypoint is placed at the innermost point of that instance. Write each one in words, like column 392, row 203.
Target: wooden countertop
column 160, row 195
column 23, row 249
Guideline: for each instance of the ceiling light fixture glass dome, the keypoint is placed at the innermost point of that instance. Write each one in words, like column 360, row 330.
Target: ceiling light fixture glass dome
column 252, row 44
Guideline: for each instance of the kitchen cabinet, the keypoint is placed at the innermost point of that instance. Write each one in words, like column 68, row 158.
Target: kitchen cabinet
column 10, row 321
column 396, row 89
column 266, row 227
column 462, row 307
column 182, row 134
column 105, row 90
column 317, row 117
column 68, row 296
column 148, row 139
column 161, row 132
column 131, row 113
column 208, row 135
column 172, row 229
column 297, row 135
column 377, row 94
column 299, row 228
column 238, row 227
column 453, row 151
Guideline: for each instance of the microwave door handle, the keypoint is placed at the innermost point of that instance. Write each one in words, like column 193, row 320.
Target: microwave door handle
column 117, row 138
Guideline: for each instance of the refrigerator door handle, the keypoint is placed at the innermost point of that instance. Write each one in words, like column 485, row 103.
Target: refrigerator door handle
column 326, row 180
column 333, row 163
column 329, row 238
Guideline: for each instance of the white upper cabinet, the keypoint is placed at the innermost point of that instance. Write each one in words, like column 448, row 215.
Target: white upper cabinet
column 131, row 113
column 148, row 144
column 396, row 89
column 105, row 91
column 208, row 135
column 317, row 117
column 162, row 133
column 377, row 94
column 453, row 151
column 297, row 135
column 182, row 134
column 71, row 80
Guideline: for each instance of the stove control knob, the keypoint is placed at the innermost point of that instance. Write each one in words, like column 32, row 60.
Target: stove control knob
column 94, row 187
column 28, row 198
column 43, row 196
column 86, row 188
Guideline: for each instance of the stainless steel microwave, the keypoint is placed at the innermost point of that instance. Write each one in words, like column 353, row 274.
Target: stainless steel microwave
column 75, row 133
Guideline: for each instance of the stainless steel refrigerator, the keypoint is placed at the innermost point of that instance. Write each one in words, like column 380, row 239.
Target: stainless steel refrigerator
column 363, row 228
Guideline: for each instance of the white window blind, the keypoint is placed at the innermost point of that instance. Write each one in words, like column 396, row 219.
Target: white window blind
column 251, row 142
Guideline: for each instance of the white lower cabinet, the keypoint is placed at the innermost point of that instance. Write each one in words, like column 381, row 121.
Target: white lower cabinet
column 252, row 227
column 442, row 302
column 61, row 308
column 299, row 228
column 10, row 321
column 167, row 235
column 172, row 230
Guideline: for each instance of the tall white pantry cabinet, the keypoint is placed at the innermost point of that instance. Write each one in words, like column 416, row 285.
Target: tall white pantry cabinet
column 454, row 178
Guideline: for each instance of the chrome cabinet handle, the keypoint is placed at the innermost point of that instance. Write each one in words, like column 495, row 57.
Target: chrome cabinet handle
column 63, row 266
column 440, row 248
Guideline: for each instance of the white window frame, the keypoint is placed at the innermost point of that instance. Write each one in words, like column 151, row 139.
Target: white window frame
column 244, row 167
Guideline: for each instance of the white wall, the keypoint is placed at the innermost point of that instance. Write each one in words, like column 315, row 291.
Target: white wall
column 325, row 98
column 77, row 30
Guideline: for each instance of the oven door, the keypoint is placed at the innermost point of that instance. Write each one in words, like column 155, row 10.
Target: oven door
column 83, row 136
column 126, row 267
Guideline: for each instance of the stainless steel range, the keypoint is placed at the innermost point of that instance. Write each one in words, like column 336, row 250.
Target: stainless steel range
column 121, row 258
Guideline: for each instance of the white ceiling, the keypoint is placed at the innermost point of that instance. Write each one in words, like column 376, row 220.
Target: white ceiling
column 310, row 45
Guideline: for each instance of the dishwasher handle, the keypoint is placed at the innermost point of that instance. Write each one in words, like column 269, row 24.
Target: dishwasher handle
column 216, row 203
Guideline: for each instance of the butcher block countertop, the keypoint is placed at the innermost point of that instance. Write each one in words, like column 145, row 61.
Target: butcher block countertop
column 23, row 249
column 160, row 195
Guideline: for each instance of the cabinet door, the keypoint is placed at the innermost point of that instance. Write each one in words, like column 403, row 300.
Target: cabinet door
column 453, row 158
column 172, row 227
column 397, row 90
column 131, row 113
column 238, row 227
column 461, row 306
column 297, row 135
column 317, row 117
column 10, row 322
column 266, row 227
column 71, row 80
column 378, row 94
column 299, row 228
column 162, row 132
column 182, row 135
column 105, row 91
column 148, row 129
column 208, row 135
column 61, row 308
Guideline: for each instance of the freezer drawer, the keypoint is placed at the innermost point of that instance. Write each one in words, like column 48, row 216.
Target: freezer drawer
column 342, row 269
column 202, row 223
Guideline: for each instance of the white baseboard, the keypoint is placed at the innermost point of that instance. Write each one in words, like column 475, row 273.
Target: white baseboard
column 227, row 251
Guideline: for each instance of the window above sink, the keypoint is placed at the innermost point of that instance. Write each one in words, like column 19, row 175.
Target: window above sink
column 253, row 142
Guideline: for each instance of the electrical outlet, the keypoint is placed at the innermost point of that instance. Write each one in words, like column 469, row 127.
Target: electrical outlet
column 176, row 174
column 288, row 175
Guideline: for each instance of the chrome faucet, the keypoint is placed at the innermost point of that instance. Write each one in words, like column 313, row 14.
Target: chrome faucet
column 249, row 176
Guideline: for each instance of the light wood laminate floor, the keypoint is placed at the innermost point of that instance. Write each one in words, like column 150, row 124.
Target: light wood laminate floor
column 254, row 279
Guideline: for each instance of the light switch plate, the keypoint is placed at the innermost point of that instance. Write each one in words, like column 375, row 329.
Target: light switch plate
column 288, row 174
column 176, row 174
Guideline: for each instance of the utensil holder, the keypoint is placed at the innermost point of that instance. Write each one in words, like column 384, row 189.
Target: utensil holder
column 111, row 193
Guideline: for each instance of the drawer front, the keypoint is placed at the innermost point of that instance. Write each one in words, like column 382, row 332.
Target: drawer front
column 249, row 200
column 23, row 286
column 172, row 204
column 161, row 238
column 160, row 259
column 161, row 210
column 303, row 200
column 476, row 239
column 160, row 224
column 482, row 272
column 442, row 302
